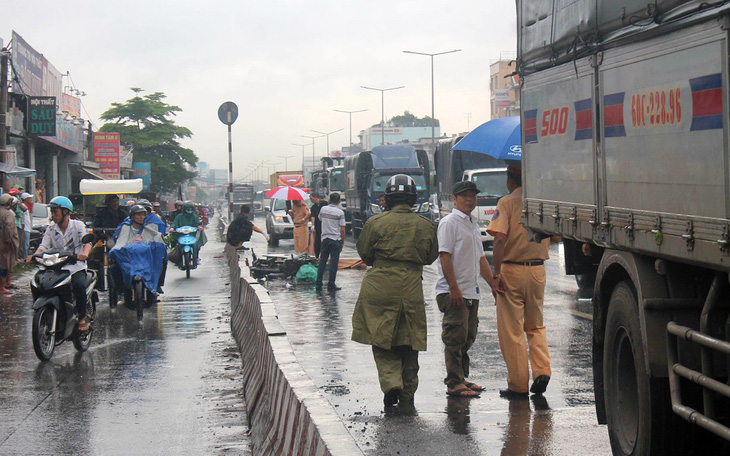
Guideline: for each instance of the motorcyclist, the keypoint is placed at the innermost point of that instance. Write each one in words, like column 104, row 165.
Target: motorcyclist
column 178, row 210
column 157, row 210
column 151, row 216
column 189, row 218
column 132, row 231
column 66, row 234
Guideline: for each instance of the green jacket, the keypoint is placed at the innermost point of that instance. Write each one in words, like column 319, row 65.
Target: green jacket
column 185, row 219
column 390, row 310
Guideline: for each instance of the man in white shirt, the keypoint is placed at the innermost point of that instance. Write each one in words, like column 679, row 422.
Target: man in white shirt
column 333, row 239
column 461, row 262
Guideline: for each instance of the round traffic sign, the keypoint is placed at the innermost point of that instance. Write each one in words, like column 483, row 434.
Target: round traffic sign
column 228, row 112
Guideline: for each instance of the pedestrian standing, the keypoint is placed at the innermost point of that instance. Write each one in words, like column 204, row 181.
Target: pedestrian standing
column 299, row 214
column 40, row 192
column 317, row 204
column 390, row 313
column 26, row 199
column 8, row 241
column 519, row 278
column 461, row 262
column 333, row 239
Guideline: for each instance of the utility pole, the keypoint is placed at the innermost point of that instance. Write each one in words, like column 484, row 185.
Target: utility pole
column 3, row 102
column 382, row 109
column 350, row 113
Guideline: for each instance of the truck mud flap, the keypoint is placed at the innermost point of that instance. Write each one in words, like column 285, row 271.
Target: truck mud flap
column 711, row 387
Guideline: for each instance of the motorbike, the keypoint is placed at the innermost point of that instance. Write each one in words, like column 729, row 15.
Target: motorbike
column 185, row 243
column 139, row 297
column 54, row 318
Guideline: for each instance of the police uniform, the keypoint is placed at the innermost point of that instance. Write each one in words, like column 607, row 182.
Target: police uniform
column 390, row 312
column 519, row 310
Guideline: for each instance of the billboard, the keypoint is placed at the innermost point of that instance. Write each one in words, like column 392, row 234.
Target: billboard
column 143, row 170
column 106, row 154
column 36, row 75
column 501, row 98
column 71, row 105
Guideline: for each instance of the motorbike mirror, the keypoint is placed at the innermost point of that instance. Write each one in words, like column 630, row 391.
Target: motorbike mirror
column 88, row 238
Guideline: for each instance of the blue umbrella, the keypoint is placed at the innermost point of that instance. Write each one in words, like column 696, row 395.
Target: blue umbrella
column 499, row 138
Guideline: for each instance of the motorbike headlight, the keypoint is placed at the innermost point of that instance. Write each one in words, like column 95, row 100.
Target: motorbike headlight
column 375, row 208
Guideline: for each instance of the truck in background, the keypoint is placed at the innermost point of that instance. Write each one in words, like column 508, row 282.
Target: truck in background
column 242, row 194
column 331, row 179
column 489, row 173
column 625, row 156
column 367, row 174
column 290, row 178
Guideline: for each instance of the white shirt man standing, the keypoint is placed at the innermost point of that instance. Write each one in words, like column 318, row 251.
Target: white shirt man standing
column 333, row 239
column 461, row 262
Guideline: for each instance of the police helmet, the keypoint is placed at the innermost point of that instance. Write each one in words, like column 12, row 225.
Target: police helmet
column 6, row 199
column 62, row 202
column 401, row 188
column 136, row 209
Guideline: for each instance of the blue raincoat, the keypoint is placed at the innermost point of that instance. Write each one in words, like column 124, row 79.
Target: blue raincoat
column 139, row 253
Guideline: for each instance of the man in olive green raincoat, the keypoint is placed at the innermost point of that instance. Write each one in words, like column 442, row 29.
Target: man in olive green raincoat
column 390, row 312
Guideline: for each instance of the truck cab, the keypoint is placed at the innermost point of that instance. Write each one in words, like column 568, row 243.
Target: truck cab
column 492, row 185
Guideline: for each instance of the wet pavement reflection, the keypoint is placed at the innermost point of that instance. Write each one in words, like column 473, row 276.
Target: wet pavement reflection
column 172, row 385
column 319, row 326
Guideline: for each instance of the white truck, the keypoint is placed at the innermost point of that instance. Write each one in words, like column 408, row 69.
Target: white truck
column 625, row 133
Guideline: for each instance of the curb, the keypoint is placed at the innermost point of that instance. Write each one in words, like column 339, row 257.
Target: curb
column 286, row 411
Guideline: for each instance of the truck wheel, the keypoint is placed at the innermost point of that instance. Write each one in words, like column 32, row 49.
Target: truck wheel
column 638, row 408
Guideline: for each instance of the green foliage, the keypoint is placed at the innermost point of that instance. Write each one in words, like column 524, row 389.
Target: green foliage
column 410, row 120
column 145, row 123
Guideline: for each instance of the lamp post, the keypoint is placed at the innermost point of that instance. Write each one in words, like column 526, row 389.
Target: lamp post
column 328, row 137
column 302, row 146
column 350, row 113
column 285, row 157
column 314, row 163
column 433, row 119
column 382, row 108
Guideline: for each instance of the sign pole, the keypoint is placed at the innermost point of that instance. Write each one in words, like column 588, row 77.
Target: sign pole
column 228, row 113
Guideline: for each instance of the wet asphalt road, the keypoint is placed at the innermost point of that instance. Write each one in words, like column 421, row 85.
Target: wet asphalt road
column 319, row 328
column 169, row 386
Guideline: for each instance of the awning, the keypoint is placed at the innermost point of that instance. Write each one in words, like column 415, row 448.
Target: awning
column 85, row 171
column 16, row 171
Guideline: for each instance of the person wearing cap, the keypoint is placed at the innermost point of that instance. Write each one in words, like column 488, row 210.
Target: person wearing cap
column 110, row 216
column 157, row 210
column 519, row 278
column 8, row 241
column 461, row 263
column 26, row 200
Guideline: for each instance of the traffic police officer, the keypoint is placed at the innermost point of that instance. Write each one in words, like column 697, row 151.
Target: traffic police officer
column 390, row 312
column 519, row 278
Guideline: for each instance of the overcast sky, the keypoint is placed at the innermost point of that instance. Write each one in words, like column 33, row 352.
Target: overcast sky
column 286, row 64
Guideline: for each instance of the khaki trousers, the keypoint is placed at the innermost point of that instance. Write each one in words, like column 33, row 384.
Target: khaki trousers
column 397, row 367
column 458, row 333
column 519, row 313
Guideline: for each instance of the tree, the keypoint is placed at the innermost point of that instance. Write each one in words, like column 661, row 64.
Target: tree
column 409, row 120
column 145, row 122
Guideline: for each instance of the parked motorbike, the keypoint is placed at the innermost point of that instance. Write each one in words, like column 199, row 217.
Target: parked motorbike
column 54, row 319
column 186, row 242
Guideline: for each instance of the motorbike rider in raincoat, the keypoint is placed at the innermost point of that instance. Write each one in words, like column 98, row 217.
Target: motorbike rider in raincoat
column 189, row 218
column 138, row 250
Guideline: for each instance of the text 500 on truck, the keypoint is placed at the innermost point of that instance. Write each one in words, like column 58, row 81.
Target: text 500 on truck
column 624, row 114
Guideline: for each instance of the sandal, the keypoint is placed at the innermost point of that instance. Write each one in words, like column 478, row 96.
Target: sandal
column 474, row 387
column 462, row 391
column 83, row 325
column 11, row 286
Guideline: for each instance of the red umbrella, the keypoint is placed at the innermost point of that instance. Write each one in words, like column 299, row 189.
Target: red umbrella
column 287, row 193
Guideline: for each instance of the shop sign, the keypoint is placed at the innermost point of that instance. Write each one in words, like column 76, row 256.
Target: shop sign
column 143, row 170
column 106, row 154
column 42, row 116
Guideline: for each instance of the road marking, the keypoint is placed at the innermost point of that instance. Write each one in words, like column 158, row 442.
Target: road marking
column 579, row 314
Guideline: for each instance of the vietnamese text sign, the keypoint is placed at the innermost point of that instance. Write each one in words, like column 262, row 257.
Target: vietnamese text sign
column 501, row 98
column 106, row 154
column 143, row 170
column 71, row 105
column 42, row 116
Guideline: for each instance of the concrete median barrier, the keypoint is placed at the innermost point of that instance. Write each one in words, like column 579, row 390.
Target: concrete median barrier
column 287, row 413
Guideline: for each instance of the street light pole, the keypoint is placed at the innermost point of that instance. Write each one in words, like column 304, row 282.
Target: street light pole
column 350, row 113
column 314, row 163
column 382, row 108
column 285, row 157
column 433, row 118
column 302, row 146
column 328, row 137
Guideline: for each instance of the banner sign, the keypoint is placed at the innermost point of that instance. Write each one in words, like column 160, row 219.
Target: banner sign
column 501, row 98
column 36, row 75
column 71, row 105
column 126, row 156
column 143, row 170
column 42, row 116
column 106, row 154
